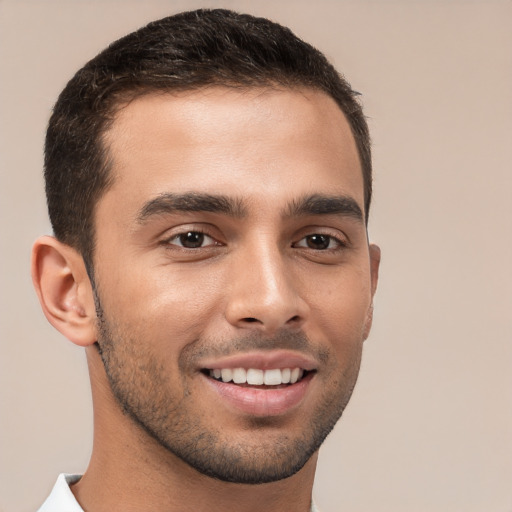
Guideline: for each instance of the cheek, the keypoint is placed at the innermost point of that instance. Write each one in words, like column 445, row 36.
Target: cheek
column 164, row 303
column 339, row 310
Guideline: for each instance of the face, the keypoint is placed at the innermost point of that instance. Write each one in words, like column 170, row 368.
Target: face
column 233, row 275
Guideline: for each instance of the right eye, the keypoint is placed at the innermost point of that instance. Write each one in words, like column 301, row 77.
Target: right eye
column 318, row 242
column 191, row 240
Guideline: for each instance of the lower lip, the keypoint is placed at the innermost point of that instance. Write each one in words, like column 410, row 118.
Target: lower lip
column 259, row 401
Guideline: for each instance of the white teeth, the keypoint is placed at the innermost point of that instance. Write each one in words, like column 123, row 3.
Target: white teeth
column 294, row 377
column 227, row 374
column 272, row 377
column 239, row 376
column 254, row 377
column 257, row 377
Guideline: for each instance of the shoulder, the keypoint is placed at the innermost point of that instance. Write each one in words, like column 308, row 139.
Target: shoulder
column 61, row 498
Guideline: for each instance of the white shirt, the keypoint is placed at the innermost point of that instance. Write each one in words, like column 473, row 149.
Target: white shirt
column 62, row 499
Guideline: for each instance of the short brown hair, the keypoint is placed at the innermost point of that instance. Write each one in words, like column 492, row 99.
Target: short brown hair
column 187, row 51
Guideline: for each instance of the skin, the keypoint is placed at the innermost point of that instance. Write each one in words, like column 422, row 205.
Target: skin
column 268, row 279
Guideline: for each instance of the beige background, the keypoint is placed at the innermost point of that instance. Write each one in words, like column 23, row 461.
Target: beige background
column 429, row 428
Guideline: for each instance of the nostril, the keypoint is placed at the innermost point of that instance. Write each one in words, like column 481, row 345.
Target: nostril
column 250, row 319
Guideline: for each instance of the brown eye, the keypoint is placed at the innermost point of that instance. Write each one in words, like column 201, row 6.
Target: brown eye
column 191, row 240
column 318, row 242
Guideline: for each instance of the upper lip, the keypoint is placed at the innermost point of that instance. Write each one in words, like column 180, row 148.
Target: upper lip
column 262, row 360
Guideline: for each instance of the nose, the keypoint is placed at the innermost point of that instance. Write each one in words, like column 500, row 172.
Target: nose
column 263, row 294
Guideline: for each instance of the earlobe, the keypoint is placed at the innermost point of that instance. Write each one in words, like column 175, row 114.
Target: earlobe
column 374, row 266
column 64, row 290
column 374, row 276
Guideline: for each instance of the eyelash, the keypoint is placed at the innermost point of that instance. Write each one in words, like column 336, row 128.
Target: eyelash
column 169, row 241
column 330, row 239
column 338, row 243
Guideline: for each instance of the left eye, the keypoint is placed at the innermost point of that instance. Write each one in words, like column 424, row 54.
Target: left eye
column 192, row 240
column 318, row 242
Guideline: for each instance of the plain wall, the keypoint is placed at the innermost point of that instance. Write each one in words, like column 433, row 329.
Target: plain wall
column 429, row 428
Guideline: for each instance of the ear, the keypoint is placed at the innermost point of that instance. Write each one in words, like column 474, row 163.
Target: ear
column 374, row 251
column 64, row 290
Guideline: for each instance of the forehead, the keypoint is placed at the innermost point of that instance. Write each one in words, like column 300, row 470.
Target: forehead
column 249, row 143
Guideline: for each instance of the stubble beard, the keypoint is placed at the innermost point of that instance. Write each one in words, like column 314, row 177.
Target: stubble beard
column 139, row 384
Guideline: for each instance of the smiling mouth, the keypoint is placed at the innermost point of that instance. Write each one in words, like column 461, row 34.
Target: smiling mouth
column 257, row 377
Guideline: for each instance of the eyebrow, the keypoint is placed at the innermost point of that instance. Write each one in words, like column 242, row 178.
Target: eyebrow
column 169, row 203
column 318, row 204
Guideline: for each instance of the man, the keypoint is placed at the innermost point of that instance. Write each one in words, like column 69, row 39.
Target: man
column 208, row 181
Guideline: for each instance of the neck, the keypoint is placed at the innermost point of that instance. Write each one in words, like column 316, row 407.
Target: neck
column 131, row 471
